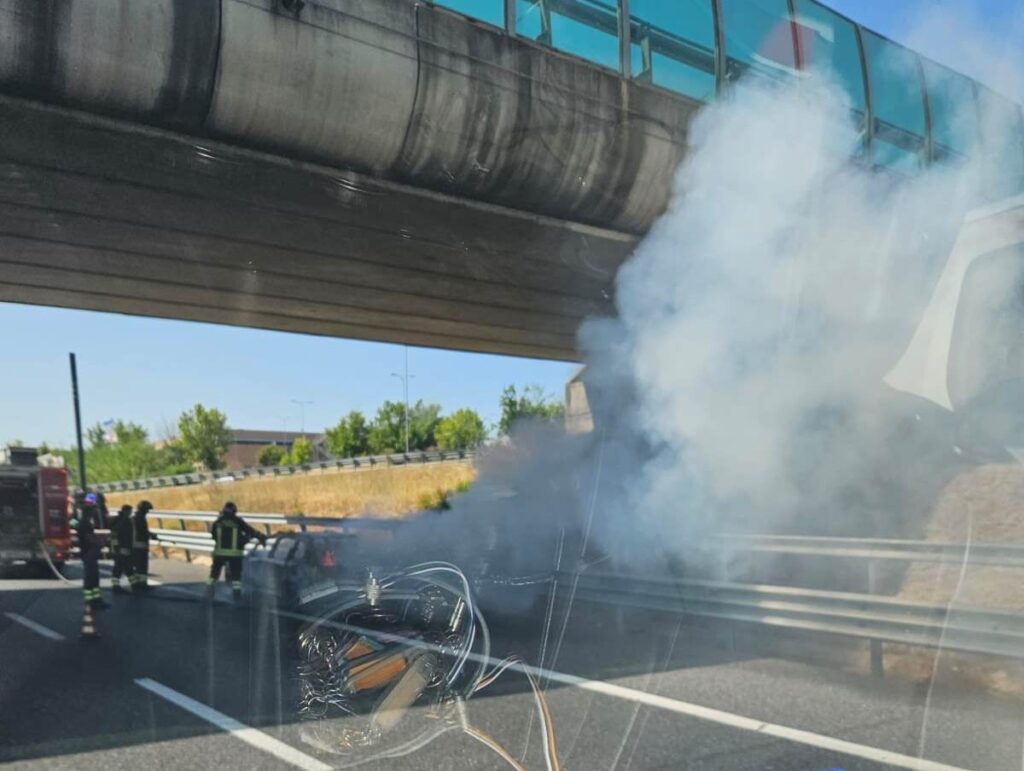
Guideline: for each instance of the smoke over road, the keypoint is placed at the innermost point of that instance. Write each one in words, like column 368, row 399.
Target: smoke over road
column 741, row 386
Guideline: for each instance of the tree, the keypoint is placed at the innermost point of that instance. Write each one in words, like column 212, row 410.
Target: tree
column 125, row 432
column 350, row 437
column 96, row 436
column 423, row 422
column 462, row 430
column 204, row 435
column 387, row 432
column 130, row 432
column 302, row 451
column 271, row 455
column 532, row 403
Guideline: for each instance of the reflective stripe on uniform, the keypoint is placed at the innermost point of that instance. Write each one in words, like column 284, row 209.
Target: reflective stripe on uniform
column 220, row 550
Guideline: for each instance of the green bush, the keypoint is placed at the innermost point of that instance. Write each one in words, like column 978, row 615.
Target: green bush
column 272, row 455
column 302, row 451
column 437, row 500
column 462, row 430
column 350, row 437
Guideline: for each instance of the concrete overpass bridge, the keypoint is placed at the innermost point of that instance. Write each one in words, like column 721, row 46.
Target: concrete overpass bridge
column 391, row 169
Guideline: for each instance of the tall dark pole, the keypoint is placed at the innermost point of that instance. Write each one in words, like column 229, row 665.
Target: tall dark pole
column 406, row 378
column 405, row 383
column 78, row 423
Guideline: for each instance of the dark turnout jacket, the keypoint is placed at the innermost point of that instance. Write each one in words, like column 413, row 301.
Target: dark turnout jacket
column 231, row 534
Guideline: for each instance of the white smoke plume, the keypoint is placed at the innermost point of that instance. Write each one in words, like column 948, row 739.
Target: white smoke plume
column 758, row 318
column 742, row 385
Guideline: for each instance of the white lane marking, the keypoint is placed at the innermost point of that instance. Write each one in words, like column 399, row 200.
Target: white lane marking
column 39, row 629
column 757, row 726
column 109, row 574
column 250, row 736
column 183, row 590
column 721, row 717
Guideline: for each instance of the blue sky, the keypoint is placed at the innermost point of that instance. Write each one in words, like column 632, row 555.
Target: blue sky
column 149, row 370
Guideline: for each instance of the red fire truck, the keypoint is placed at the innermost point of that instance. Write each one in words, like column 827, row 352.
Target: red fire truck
column 33, row 510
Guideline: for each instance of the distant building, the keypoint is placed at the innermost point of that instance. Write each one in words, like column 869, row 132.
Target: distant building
column 245, row 445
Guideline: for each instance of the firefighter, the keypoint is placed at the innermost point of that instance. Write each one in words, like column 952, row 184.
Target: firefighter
column 139, row 579
column 121, row 548
column 84, row 523
column 230, row 534
column 102, row 512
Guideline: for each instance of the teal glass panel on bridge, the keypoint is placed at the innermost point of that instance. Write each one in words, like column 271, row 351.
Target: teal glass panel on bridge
column 954, row 112
column 673, row 45
column 829, row 43
column 588, row 29
column 759, row 38
column 491, row 11
column 897, row 96
column 1002, row 137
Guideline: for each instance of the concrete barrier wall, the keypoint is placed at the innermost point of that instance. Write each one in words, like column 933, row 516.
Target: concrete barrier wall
column 152, row 60
column 397, row 88
column 336, row 83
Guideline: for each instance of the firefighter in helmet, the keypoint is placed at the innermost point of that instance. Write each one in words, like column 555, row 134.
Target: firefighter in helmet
column 102, row 512
column 230, row 534
column 84, row 523
column 140, row 547
column 121, row 547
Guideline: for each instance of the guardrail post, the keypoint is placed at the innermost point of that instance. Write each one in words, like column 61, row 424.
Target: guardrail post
column 877, row 664
column 188, row 552
column 723, row 565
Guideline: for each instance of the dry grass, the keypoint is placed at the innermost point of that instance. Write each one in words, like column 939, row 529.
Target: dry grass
column 381, row 492
column 982, row 505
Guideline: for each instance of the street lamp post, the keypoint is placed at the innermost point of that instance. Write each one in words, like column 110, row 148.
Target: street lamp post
column 405, row 382
column 302, row 414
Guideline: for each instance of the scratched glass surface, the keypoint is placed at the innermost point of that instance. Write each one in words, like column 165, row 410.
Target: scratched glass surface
column 532, row 384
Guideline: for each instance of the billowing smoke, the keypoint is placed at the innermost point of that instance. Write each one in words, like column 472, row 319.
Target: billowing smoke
column 758, row 319
column 742, row 386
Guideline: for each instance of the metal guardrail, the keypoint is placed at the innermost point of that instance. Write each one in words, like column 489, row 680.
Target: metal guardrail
column 862, row 616
column 1002, row 555
column 255, row 472
column 201, row 541
column 850, row 615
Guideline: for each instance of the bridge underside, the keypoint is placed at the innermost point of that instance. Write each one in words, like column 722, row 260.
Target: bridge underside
column 109, row 216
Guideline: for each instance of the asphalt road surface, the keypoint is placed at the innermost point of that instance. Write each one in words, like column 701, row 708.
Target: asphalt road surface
column 176, row 682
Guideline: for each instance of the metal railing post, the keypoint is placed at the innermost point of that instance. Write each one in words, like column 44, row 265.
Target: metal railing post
column 625, row 45
column 188, row 552
column 877, row 664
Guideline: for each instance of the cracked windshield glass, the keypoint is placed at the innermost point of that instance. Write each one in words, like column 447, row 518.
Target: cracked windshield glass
column 533, row 384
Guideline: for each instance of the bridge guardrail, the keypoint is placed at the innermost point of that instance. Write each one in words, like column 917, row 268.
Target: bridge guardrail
column 863, row 616
column 1001, row 555
column 256, row 472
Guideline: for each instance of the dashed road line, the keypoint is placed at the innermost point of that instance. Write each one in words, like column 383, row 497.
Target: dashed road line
column 36, row 627
column 798, row 735
column 250, row 736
